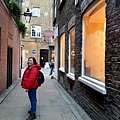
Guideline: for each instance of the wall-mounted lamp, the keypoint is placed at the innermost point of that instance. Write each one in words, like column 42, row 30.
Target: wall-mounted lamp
column 27, row 15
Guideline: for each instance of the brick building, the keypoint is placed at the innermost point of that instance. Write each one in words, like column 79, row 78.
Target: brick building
column 88, row 54
column 9, row 48
column 35, row 43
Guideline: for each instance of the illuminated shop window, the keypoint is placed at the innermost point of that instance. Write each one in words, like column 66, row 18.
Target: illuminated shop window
column 94, row 44
column 93, row 50
column 72, row 51
column 62, row 51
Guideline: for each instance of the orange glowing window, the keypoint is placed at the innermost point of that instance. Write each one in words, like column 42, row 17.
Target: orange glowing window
column 72, row 49
column 62, row 51
column 94, row 42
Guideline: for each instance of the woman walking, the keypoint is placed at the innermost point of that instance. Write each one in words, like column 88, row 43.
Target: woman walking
column 30, row 84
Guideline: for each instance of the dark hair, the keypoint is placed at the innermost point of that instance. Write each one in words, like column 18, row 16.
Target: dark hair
column 34, row 60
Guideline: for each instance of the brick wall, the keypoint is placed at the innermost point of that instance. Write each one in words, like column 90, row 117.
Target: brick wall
column 113, row 60
column 97, row 105
column 10, row 37
column 64, row 23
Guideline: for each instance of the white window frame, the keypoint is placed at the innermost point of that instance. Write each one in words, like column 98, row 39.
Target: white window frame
column 70, row 75
column 76, row 2
column 55, row 11
column 36, row 31
column 36, row 12
column 61, row 1
column 91, row 82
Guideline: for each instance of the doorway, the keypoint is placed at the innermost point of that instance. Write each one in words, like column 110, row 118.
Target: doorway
column 9, row 66
column 43, row 57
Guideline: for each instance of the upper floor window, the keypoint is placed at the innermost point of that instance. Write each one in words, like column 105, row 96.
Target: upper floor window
column 36, row 31
column 36, row 12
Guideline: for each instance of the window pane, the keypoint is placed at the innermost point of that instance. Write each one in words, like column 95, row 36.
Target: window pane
column 36, row 31
column 36, row 12
column 94, row 44
column 62, row 51
column 38, row 34
column 72, row 52
column 33, row 32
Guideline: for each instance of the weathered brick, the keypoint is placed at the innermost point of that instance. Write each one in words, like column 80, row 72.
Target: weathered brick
column 10, row 37
column 97, row 105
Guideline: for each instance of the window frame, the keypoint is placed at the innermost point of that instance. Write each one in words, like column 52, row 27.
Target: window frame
column 0, row 43
column 70, row 74
column 55, row 10
column 76, row 2
column 36, row 9
column 35, row 32
column 62, row 69
column 61, row 1
column 91, row 82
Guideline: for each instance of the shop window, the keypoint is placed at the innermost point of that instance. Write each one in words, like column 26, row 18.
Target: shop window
column 71, row 69
column 62, row 52
column 36, row 12
column 93, row 50
column 71, row 50
column 36, row 31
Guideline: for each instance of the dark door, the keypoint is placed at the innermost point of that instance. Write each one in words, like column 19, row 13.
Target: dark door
column 9, row 66
column 43, row 57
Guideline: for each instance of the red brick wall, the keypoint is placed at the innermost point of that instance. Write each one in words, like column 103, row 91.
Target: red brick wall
column 10, row 37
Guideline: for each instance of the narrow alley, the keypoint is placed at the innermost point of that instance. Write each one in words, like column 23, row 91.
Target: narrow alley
column 53, row 103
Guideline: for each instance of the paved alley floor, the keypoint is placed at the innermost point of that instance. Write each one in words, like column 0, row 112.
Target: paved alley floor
column 53, row 103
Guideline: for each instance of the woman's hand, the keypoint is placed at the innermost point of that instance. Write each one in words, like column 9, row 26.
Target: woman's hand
column 26, row 90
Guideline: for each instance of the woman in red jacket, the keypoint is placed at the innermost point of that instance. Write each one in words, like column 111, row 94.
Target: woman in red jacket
column 29, row 82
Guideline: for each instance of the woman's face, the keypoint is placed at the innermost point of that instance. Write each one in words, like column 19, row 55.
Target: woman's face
column 30, row 61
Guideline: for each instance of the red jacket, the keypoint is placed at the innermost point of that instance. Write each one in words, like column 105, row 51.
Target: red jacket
column 30, row 77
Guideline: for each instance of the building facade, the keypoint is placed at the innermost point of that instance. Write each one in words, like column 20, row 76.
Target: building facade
column 9, row 48
column 88, row 55
column 55, row 28
column 35, row 43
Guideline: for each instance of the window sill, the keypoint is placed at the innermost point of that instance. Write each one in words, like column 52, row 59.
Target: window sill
column 36, row 16
column 62, row 70
column 96, row 85
column 71, row 76
column 35, row 37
